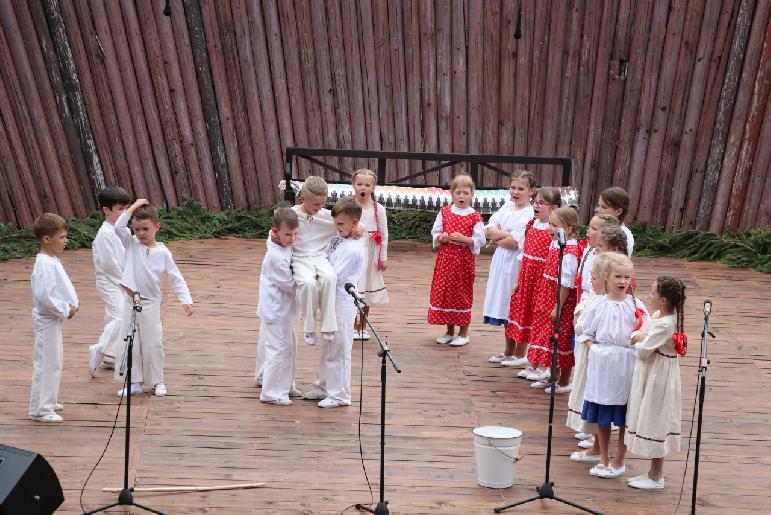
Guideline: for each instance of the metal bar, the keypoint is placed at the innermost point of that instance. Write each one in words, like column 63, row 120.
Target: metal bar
column 567, row 171
column 475, row 171
column 381, row 171
column 426, row 171
column 325, row 165
column 494, row 168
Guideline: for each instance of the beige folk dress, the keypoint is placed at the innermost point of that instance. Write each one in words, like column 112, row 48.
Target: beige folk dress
column 654, row 411
column 371, row 284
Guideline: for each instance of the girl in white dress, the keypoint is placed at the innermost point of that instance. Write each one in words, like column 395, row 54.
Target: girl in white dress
column 506, row 229
column 654, row 413
column 373, row 217
column 607, row 331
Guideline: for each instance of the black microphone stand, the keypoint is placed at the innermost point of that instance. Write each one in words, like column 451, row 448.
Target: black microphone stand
column 126, row 496
column 384, row 352
column 546, row 490
column 702, row 386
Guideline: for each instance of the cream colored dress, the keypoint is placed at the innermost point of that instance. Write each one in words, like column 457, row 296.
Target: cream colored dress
column 576, row 399
column 371, row 284
column 653, row 414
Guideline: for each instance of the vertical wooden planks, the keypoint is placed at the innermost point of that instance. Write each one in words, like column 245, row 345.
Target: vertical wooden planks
column 384, row 76
column 490, row 85
column 459, row 85
column 356, row 87
column 725, row 108
column 569, row 78
column 739, row 117
column 553, row 87
column 662, row 111
column 412, row 80
column 508, row 67
column 436, row 78
column 369, row 76
column 523, row 76
column 339, row 84
column 24, row 203
column 398, row 89
column 759, row 209
column 675, row 123
column 268, row 12
column 538, row 66
column 475, row 108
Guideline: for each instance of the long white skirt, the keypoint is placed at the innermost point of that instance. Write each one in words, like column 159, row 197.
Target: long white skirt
column 500, row 281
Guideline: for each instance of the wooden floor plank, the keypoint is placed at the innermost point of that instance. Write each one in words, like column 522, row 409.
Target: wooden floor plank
column 211, row 429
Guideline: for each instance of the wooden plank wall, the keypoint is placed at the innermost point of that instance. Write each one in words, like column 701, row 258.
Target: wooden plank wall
column 668, row 99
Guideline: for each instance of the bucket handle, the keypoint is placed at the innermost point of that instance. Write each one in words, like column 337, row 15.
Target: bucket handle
column 517, row 458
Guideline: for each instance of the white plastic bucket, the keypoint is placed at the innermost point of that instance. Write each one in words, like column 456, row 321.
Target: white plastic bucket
column 496, row 449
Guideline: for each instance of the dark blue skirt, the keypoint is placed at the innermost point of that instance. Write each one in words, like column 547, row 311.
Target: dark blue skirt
column 495, row 321
column 604, row 415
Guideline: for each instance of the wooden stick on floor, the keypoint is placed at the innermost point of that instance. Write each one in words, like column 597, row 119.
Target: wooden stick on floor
column 189, row 488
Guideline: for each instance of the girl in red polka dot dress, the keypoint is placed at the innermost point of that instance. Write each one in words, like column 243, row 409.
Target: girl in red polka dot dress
column 460, row 233
column 545, row 312
column 534, row 249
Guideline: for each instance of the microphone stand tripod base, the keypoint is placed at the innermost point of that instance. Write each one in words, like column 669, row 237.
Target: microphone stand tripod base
column 381, row 509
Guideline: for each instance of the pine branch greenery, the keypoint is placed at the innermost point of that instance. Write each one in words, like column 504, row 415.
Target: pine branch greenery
column 191, row 221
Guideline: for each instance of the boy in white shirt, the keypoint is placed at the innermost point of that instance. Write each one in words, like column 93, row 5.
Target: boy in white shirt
column 347, row 257
column 147, row 261
column 54, row 299
column 314, row 275
column 109, row 259
column 277, row 346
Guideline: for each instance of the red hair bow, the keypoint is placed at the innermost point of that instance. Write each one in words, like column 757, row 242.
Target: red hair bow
column 681, row 343
column 639, row 314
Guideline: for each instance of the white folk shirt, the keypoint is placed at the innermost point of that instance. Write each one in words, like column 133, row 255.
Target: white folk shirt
column 277, row 285
column 316, row 231
column 52, row 292
column 347, row 258
column 368, row 221
column 478, row 235
column 146, row 266
column 109, row 254
column 629, row 240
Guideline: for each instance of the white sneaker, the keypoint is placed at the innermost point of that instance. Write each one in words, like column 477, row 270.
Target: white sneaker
column 637, row 478
column 310, row 338
column 583, row 436
column 295, row 392
column 610, row 472
column 539, row 375
column 136, row 389
column 559, row 389
column 58, row 407
column 328, row 337
column 582, row 457
column 525, row 372
column 543, row 383
column 107, row 365
column 499, row 358
column 515, row 362
column 445, row 338
column 315, row 394
column 48, row 418
column 160, row 390
column 332, row 403
column 364, row 335
column 279, row 402
column 94, row 358
column 586, row 444
column 459, row 341
column 647, row 483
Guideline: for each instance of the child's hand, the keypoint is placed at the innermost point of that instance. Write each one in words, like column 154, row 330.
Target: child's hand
column 138, row 203
column 443, row 238
column 188, row 309
column 383, row 266
column 637, row 337
column 73, row 310
column 554, row 314
column 358, row 231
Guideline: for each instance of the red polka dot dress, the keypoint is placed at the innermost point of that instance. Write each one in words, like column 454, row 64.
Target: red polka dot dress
column 540, row 351
column 452, row 288
column 534, row 251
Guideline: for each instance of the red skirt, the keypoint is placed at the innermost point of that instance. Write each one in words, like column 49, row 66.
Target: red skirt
column 520, row 323
column 452, row 288
column 540, row 351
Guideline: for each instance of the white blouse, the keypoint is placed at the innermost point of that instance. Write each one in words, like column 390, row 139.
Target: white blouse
column 478, row 236
column 346, row 256
column 109, row 254
column 52, row 292
column 277, row 284
column 316, row 231
column 512, row 219
column 146, row 266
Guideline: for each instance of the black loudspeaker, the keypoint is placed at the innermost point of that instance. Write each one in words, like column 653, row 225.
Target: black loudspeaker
column 28, row 484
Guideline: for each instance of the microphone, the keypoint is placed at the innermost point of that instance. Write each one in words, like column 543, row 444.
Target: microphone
column 561, row 237
column 707, row 307
column 353, row 292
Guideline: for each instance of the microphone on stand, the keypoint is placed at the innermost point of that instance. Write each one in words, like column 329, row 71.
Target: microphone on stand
column 353, row 292
column 707, row 307
column 561, row 237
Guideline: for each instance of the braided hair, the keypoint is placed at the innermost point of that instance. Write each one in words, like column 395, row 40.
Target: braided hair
column 673, row 289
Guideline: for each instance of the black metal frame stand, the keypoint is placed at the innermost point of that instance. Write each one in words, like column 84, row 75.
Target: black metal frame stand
column 126, row 495
column 546, row 490
column 702, row 386
column 384, row 352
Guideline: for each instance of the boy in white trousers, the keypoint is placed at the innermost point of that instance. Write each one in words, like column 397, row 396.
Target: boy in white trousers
column 314, row 275
column 147, row 261
column 54, row 299
column 347, row 256
column 109, row 259
column 277, row 346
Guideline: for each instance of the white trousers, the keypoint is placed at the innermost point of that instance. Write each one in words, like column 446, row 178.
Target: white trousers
column 111, row 341
column 316, row 281
column 335, row 360
column 276, row 351
column 147, row 357
column 47, row 364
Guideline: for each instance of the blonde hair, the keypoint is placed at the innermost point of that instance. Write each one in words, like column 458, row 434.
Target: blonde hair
column 607, row 219
column 600, row 265
column 314, row 185
column 462, row 180
column 614, row 236
column 524, row 175
column 615, row 260
column 347, row 206
column 568, row 217
column 364, row 171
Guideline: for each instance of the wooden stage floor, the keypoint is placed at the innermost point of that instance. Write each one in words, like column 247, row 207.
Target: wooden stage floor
column 211, row 429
